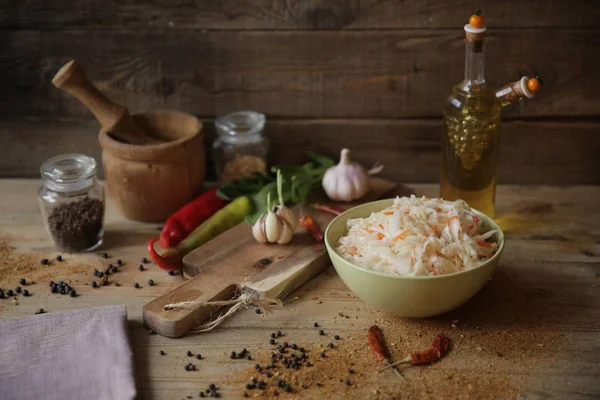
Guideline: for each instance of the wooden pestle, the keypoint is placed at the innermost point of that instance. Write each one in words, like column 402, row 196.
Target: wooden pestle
column 113, row 118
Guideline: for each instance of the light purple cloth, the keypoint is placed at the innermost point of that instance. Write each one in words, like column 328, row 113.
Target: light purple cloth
column 80, row 354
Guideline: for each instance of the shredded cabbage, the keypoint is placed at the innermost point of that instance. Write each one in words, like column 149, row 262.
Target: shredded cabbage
column 418, row 237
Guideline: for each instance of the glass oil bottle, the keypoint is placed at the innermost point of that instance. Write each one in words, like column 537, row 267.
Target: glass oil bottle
column 472, row 124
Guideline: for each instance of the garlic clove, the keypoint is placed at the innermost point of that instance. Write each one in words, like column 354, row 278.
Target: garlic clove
column 286, row 214
column 258, row 230
column 272, row 227
column 286, row 234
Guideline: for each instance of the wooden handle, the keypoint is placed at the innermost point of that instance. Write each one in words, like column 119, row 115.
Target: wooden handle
column 112, row 117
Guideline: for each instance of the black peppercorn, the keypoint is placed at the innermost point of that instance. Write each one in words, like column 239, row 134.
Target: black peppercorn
column 294, row 346
column 318, row 384
column 100, row 274
column 141, row 267
column 286, row 344
column 316, row 324
column 212, row 386
column 189, row 353
column 257, row 367
column 245, row 395
column 136, row 285
column 107, row 271
column 172, row 273
column 51, row 283
column 309, row 364
column 337, row 337
column 114, row 269
column 351, row 371
column 94, row 284
column 278, row 333
column 187, row 367
column 144, row 260
column 302, row 350
column 44, row 261
column 249, row 358
column 262, row 385
column 321, row 332
column 257, row 311
column 271, row 341
column 322, row 354
column 162, row 353
column 288, row 389
column 233, row 355
column 280, row 383
column 22, row 281
column 73, row 293
column 59, row 258
column 150, row 282
column 25, row 292
column 268, row 374
column 18, row 289
column 54, row 288
column 250, row 386
column 330, row 345
column 119, row 263
column 105, row 255
column 202, row 394
column 273, row 335
column 348, row 383
column 199, row 356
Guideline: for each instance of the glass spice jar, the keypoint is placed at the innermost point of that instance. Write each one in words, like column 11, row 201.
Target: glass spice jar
column 241, row 147
column 72, row 202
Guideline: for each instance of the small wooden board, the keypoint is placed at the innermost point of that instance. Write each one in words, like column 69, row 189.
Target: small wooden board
column 218, row 268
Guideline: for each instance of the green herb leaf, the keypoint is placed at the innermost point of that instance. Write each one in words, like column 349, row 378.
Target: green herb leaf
column 323, row 161
column 297, row 183
column 248, row 186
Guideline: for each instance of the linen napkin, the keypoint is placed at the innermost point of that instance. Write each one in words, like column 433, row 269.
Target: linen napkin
column 80, row 354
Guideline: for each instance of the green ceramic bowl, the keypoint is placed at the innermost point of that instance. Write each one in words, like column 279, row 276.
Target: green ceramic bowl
column 409, row 296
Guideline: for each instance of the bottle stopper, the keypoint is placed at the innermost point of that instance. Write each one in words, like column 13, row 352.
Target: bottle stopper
column 524, row 87
column 475, row 31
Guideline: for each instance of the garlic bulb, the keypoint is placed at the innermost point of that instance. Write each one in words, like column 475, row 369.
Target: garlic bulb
column 346, row 181
column 278, row 224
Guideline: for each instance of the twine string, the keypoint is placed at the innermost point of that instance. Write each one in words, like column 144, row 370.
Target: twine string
column 246, row 298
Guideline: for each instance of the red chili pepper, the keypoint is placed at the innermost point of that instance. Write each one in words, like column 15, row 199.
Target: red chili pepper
column 328, row 208
column 311, row 226
column 179, row 225
column 437, row 350
column 377, row 344
column 166, row 263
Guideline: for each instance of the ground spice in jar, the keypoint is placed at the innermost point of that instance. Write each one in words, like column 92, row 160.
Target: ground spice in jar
column 76, row 225
column 241, row 166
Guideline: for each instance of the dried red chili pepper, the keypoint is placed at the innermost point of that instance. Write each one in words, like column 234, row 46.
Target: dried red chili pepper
column 328, row 208
column 437, row 350
column 311, row 226
column 377, row 344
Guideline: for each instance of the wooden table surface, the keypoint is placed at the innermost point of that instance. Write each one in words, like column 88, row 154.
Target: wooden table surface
column 533, row 332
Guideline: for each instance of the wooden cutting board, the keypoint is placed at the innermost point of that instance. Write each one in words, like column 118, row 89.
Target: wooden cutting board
column 219, row 268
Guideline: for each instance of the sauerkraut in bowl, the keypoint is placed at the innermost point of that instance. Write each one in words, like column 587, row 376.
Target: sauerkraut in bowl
column 418, row 237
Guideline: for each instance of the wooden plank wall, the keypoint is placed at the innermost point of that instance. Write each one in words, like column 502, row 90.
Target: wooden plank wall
column 370, row 75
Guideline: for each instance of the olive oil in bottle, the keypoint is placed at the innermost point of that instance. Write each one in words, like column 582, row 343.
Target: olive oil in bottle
column 470, row 142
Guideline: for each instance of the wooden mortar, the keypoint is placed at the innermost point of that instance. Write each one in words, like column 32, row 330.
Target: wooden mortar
column 149, row 182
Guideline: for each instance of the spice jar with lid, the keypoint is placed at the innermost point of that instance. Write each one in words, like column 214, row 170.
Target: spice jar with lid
column 72, row 202
column 241, row 147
